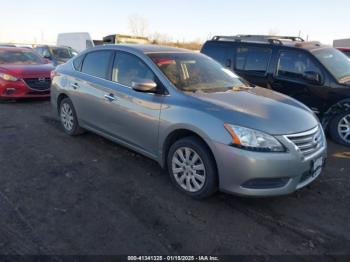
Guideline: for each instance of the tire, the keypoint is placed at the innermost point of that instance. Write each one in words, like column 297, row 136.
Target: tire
column 68, row 117
column 339, row 128
column 195, row 174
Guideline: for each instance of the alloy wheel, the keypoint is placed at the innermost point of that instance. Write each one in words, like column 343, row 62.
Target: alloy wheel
column 67, row 117
column 188, row 169
column 344, row 128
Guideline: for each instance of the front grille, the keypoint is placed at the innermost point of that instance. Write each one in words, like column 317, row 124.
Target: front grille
column 39, row 84
column 308, row 142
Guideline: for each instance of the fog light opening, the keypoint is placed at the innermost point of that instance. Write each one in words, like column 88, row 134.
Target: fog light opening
column 10, row 91
column 266, row 183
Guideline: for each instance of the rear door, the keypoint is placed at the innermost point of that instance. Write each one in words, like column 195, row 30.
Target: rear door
column 252, row 62
column 89, row 88
column 289, row 78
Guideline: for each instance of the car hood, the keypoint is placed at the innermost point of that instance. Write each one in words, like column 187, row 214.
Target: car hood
column 260, row 109
column 27, row 71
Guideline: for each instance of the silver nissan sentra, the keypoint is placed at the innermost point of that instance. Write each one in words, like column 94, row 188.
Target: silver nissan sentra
column 209, row 128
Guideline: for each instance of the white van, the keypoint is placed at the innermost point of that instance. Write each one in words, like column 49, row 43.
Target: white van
column 77, row 41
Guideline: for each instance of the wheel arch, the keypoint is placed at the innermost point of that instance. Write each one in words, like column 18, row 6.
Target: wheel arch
column 339, row 107
column 178, row 134
column 59, row 100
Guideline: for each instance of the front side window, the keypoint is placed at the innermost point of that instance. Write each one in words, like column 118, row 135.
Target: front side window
column 336, row 62
column 294, row 64
column 97, row 64
column 253, row 59
column 20, row 57
column 128, row 68
column 195, row 72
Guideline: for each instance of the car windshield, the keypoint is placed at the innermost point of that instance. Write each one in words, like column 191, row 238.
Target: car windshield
column 336, row 62
column 20, row 57
column 62, row 53
column 195, row 72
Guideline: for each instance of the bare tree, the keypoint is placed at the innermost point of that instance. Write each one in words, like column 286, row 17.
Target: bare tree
column 273, row 32
column 138, row 25
column 159, row 38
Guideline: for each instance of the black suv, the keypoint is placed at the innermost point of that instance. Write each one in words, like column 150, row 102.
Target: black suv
column 316, row 75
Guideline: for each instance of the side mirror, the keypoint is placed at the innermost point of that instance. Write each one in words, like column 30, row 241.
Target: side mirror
column 312, row 77
column 144, row 85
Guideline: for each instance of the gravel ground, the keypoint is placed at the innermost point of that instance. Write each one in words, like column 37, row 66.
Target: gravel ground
column 86, row 195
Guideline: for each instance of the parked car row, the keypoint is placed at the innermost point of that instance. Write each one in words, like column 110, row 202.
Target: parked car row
column 214, row 125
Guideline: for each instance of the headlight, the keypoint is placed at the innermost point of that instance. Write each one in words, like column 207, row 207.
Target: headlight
column 254, row 140
column 8, row 77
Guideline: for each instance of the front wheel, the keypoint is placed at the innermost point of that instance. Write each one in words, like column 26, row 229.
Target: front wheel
column 340, row 128
column 192, row 168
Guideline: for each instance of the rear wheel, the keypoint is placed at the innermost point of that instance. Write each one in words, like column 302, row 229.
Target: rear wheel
column 68, row 117
column 192, row 168
column 340, row 128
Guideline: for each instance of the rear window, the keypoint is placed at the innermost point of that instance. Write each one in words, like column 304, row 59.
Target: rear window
column 254, row 59
column 62, row 53
column 97, row 64
column 20, row 57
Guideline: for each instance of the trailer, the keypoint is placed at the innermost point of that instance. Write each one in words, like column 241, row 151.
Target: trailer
column 341, row 43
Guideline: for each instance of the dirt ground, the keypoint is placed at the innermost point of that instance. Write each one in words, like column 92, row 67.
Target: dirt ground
column 86, row 195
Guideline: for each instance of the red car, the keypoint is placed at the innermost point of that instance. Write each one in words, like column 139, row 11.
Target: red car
column 23, row 73
column 345, row 50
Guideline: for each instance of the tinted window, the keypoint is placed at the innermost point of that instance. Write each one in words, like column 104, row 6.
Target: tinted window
column 97, row 64
column 336, row 62
column 293, row 64
column 128, row 68
column 78, row 62
column 253, row 59
column 62, row 53
column 39, row 50
column 218, row 52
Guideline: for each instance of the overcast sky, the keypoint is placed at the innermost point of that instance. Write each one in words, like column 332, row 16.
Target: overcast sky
column 41, row 20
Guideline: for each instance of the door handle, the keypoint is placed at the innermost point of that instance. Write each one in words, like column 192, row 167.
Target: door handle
column 75, row 86
column 109, row 97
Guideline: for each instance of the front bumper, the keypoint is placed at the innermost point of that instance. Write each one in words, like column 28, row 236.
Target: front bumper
column 19, row 89
column 257, row 174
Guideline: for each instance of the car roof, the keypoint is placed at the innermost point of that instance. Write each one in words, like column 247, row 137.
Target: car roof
column 307, row 45
column 146, row 49
column 14, row 48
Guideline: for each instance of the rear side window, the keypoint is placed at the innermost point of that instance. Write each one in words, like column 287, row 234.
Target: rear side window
column 294, row 64
column 97, row 64
column 254, row 59
column 78, row 62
